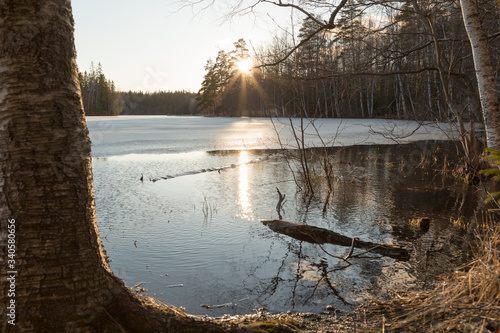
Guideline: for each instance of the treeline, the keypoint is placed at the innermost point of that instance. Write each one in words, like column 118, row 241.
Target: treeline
column 100, row 98
column 407, row 60
column 159, row 103
column 99, row 94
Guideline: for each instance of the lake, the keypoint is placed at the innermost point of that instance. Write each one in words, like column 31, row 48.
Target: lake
column 189, row 233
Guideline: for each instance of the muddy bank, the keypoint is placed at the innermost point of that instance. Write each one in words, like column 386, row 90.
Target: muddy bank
column 330, row 321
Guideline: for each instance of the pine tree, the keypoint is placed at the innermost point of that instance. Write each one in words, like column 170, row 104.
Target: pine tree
column 99, row 94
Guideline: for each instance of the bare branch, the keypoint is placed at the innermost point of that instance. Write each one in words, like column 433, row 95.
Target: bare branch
column 400, row 72
column 331, row 22
column 291, row 5
column 302, row 42
column 323, row 26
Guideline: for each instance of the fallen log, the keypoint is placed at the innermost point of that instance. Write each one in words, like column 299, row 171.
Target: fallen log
column 225, row 305
column 316, row 235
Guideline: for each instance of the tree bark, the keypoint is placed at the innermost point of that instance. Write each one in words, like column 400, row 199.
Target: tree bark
column 485, row 73
column 62, row 281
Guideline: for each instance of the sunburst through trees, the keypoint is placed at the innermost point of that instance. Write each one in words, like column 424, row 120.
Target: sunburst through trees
column 245, row 66
column 232, row 86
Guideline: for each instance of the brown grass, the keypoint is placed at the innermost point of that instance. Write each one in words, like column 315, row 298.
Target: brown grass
column 466, row 301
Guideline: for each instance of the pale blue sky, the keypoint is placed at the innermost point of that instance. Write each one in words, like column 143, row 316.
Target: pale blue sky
column 154, row 45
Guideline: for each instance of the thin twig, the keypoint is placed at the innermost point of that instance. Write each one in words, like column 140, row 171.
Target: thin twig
column 352, row 249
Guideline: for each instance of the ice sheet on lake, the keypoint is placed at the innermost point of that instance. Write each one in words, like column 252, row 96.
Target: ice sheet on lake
column 168, row 134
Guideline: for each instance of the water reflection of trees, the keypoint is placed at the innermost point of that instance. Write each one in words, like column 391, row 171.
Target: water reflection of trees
column 393, row 180
column 377, row 189
column 302, row 277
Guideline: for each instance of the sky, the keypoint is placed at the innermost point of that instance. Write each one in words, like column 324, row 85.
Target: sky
column 152, row 45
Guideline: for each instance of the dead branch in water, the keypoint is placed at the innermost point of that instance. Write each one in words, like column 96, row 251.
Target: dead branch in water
column 281, row 202
column 352, row 248
column 318, row 235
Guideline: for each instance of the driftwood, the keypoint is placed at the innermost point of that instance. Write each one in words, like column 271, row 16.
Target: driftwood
column 225, row 305
column 318, row 235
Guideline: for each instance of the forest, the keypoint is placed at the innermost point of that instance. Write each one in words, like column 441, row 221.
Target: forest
column 101, row 98
column 410, row 61
column 99, row 95
column 159, row 103
column 383, row 59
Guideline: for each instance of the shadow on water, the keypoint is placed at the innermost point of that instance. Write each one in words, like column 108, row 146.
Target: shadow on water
column 230, row 263
column 391, row 187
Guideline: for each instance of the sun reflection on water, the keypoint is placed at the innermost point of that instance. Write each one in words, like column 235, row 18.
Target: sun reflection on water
column 243, row 194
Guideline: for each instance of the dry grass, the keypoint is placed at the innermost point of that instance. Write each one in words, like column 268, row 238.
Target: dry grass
column 466, row 301
column 459, row 222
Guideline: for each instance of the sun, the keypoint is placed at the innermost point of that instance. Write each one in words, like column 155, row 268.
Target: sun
column 245, row 65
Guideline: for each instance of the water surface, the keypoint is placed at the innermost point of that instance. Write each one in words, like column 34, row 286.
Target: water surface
column 192, row 237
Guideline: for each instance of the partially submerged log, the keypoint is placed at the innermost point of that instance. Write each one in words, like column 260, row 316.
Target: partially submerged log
column 316, row 235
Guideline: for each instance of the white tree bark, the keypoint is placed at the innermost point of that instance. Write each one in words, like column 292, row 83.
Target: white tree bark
column 488, row 91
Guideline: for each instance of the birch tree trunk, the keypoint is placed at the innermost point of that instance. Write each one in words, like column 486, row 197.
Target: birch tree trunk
column 360, row 91
column 402, row 96
column 488, row 91
column 336, row 99
column 59, row 280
